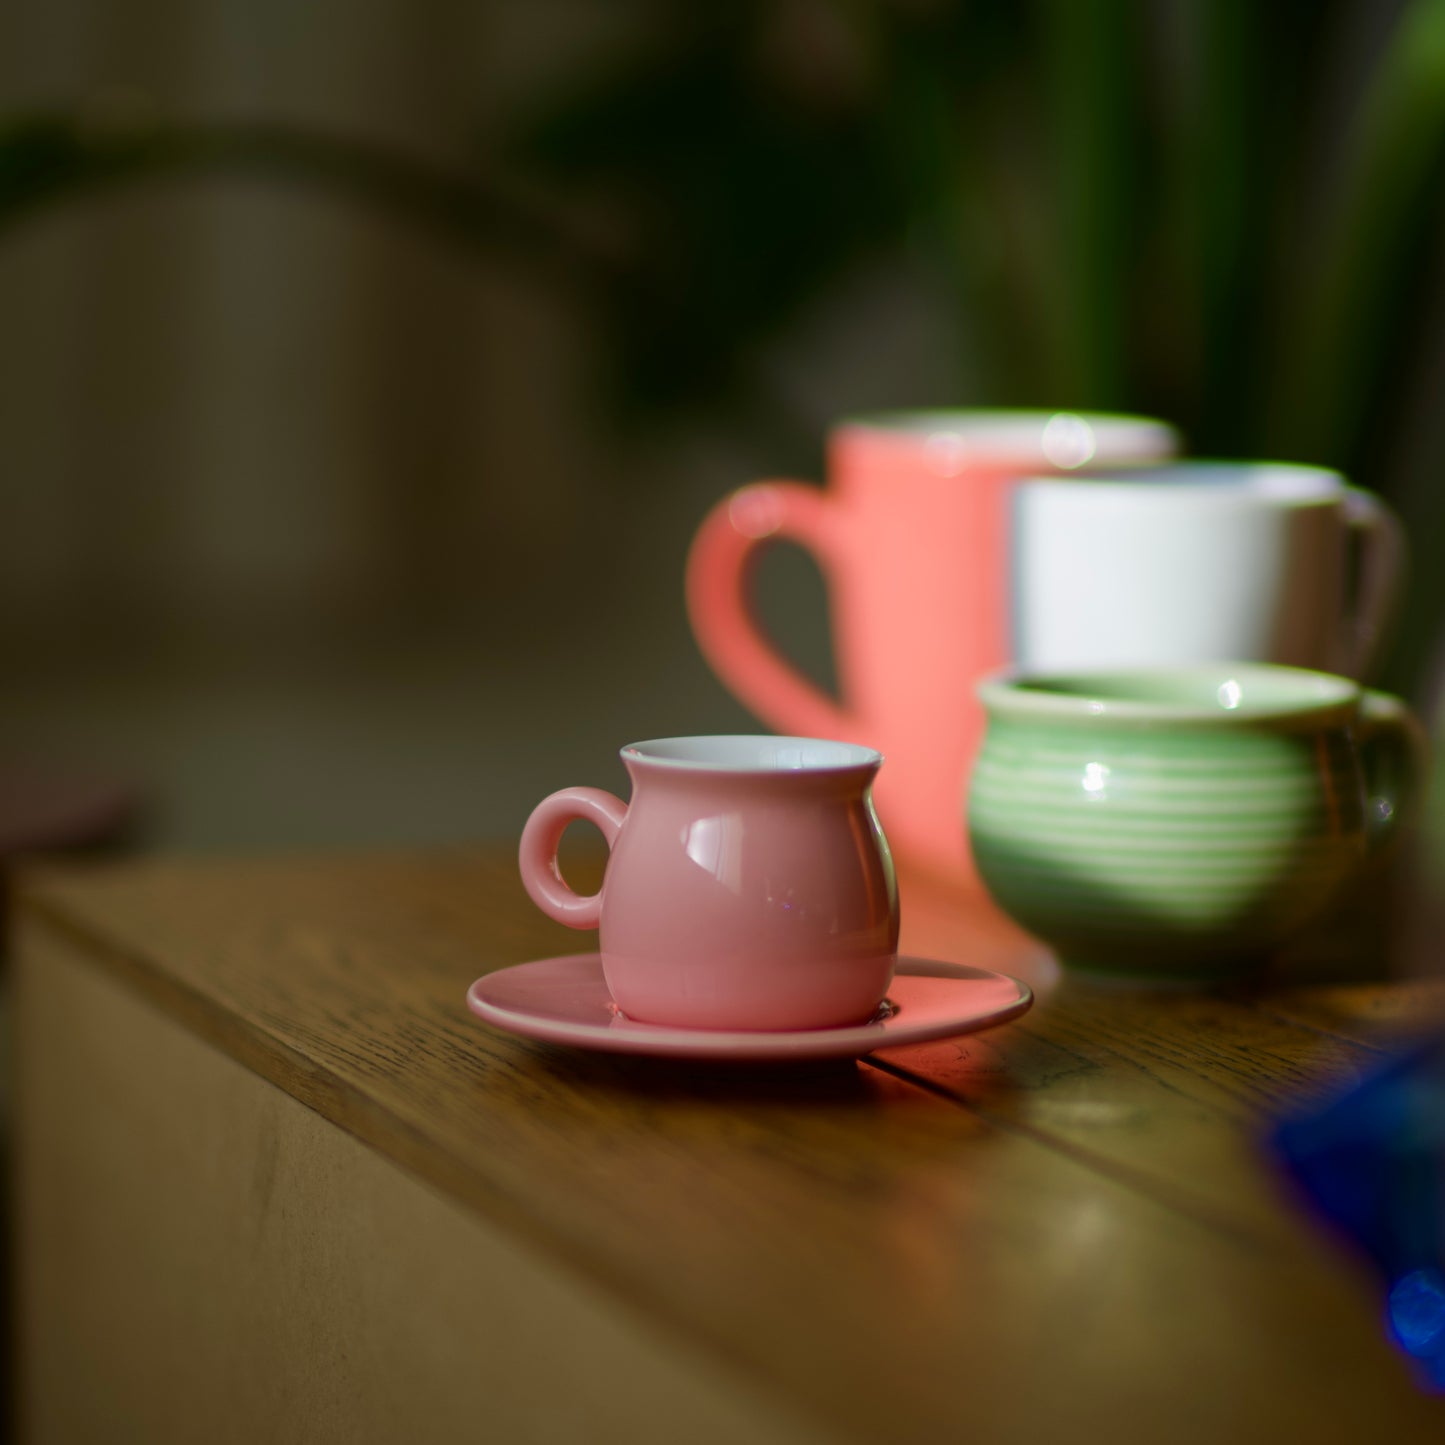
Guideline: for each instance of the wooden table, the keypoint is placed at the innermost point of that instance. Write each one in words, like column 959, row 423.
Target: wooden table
column 275, row 1184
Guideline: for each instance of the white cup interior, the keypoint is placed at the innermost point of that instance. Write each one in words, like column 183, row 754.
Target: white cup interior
column 745, row 753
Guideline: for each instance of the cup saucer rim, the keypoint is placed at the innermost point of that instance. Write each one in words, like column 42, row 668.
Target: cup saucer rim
column 911, row 1020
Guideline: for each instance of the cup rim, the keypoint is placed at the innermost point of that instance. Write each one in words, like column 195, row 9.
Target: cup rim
column 1018, row 437
column 745, row 755
column 1083, row 694
column 1235, row 482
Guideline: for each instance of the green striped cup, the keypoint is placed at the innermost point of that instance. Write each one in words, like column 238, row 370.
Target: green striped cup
column 1182, row 822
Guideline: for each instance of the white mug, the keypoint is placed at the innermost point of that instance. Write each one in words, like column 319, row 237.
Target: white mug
column 1202, row 562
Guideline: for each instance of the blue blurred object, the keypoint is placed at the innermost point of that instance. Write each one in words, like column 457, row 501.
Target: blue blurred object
column 1372, row 1161
column 1417, row 1317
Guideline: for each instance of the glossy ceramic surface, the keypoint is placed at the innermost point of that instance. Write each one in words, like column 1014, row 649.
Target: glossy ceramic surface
column 1180, row 822
column 566, row 1001
column 749, row 885
column 912, row 539
column 1201, row 561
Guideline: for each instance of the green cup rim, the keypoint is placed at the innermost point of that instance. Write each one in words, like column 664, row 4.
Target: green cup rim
column 1216, row 694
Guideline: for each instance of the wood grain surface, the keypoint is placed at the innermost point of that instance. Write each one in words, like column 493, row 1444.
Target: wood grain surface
column 207, row 1260
column 1064, row 1227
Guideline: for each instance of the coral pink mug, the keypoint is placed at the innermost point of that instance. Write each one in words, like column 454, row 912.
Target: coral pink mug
column 913, row 541
column 749, row 884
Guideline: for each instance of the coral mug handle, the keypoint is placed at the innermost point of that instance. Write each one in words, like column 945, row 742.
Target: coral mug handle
column 720, row 607
column 537, row 856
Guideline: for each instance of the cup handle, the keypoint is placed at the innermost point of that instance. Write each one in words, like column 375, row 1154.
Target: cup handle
column 537, row 856
column 1395, row 755
column 1380, row 545
column 719, row 608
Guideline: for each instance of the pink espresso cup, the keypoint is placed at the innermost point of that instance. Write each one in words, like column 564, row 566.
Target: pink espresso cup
column 749, row 885
column 913, row 542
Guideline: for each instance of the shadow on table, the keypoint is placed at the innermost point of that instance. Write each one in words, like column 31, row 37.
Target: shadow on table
column 802, row 1083
column 1385, row 930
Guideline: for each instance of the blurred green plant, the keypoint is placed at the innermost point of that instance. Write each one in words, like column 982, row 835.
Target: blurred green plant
column 1224, row 212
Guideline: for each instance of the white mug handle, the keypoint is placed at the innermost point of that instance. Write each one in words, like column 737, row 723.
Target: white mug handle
column 1379, row 541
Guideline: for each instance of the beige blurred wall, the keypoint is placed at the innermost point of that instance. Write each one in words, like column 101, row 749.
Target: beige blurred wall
column 236, row 399
column 310, row 524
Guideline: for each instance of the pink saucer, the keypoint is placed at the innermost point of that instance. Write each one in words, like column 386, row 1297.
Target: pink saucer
column 565, row 1001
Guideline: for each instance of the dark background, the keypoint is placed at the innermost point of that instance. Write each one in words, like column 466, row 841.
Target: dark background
column 366, row 367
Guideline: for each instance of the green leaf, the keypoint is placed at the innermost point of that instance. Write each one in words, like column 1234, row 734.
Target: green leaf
column 1359, row 310
column 1091, row 54
column 747, row 189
